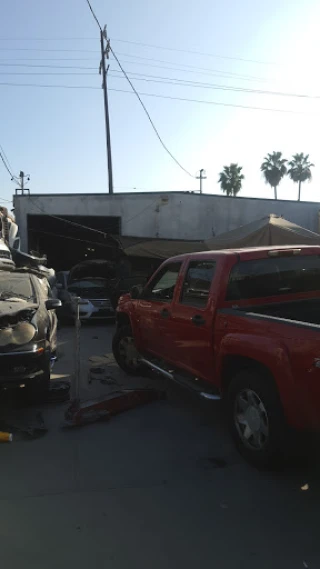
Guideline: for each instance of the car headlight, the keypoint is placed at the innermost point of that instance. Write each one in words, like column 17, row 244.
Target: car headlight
column 18, row 335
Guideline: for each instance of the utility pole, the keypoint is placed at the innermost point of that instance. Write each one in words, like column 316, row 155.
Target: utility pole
column 202, row 176
column 104, row 70
column 22, row 177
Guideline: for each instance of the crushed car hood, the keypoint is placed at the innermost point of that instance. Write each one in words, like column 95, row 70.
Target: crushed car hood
column 8, row 308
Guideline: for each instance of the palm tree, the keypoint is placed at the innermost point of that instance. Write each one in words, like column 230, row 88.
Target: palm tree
column 300, row 169
column 274, row 168
column 230, row 179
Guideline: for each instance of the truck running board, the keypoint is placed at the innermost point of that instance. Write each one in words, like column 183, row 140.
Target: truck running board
column 184, row 383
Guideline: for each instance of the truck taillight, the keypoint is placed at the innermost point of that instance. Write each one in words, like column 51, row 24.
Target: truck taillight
column 284, row 253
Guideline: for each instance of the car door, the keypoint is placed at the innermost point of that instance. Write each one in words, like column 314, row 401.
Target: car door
column 154, row 311
column 192, row 320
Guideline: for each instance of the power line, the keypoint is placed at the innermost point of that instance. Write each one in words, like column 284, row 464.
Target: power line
column 180, row 68
column 227, row 73
column 215, row 103
column 152, row 46
column 194, row 52
column 32, row 73
column 218, row 103
column 48, row 66
column 5, row 156
column 8, row 59
column 149, row 117
column 95, row 17
column 6, row 164
column 47, row 86
column 187, row 83
column 195, row 67
column 73, row 238
column 47, row 39
column 212, row 73
column 142, row 211
column 253, row 77
column 168, row 81
column 47, row 49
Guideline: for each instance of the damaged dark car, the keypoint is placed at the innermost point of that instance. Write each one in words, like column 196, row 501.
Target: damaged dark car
column 28, row 330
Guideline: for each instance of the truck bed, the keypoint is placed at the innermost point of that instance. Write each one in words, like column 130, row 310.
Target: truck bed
column 306, row 310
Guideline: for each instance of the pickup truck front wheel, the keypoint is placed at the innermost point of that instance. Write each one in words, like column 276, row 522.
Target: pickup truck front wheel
column 256, row 419
column 125, row 352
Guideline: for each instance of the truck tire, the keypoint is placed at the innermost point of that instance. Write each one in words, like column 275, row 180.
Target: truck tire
column 256, row 419
column 124, row 351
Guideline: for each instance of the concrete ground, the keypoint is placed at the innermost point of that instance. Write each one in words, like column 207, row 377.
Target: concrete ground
column 158, row 487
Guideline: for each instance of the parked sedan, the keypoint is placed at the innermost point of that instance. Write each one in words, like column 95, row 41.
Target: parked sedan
column 94, row 295
column 28, row 330
column 91, row 283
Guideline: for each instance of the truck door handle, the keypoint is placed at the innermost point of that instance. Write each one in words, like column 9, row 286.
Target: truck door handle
column 164, row 313
column 198, row 320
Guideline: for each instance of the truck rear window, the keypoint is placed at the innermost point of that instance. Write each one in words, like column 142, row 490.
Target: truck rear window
column 274, row 276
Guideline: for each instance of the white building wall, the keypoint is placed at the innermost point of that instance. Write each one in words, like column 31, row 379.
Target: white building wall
column 173, row 215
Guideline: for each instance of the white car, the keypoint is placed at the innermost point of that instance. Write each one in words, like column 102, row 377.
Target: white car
column 93, row 299
column 90, row 282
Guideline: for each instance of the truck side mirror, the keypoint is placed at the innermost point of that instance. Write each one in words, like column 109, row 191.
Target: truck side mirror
column 135, row 292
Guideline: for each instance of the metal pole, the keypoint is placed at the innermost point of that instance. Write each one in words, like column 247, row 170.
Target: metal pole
column 22, row 181
column 106, row 110
column 201, row 177
column 76, row 378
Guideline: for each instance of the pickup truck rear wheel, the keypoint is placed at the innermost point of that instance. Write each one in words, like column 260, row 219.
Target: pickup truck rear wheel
column 125, row 352
column 256, row 419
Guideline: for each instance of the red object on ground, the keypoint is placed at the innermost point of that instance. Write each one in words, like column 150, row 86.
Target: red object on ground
column 81, row 413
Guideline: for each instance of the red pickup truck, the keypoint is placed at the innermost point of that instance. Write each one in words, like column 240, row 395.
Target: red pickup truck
column 242, row 325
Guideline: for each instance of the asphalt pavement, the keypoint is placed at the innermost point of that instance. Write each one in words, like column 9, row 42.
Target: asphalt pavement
column 157, row 487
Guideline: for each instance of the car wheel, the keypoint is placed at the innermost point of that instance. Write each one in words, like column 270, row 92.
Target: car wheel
column 256, row 419
column 125, row 352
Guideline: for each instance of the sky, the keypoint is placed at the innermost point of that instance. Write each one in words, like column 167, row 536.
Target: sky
column 57, row 134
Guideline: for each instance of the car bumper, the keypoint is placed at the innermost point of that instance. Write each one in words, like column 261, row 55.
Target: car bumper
column 18, row 368
column 94, row 310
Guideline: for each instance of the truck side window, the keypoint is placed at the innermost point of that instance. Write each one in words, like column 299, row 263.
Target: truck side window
column 197, row 283
column 163, row 285
column 259, row 278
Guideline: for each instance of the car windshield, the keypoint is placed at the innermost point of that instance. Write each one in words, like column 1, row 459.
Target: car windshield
column 15, row 286
column 94, row 283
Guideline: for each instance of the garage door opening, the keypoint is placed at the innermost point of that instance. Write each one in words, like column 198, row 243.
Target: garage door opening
column 72, row 239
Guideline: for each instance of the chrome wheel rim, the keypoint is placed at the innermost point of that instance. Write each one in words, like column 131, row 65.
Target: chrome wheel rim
column 251, row 419
column 128, row 352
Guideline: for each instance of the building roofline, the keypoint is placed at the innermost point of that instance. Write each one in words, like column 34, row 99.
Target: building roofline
column 121, row 194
